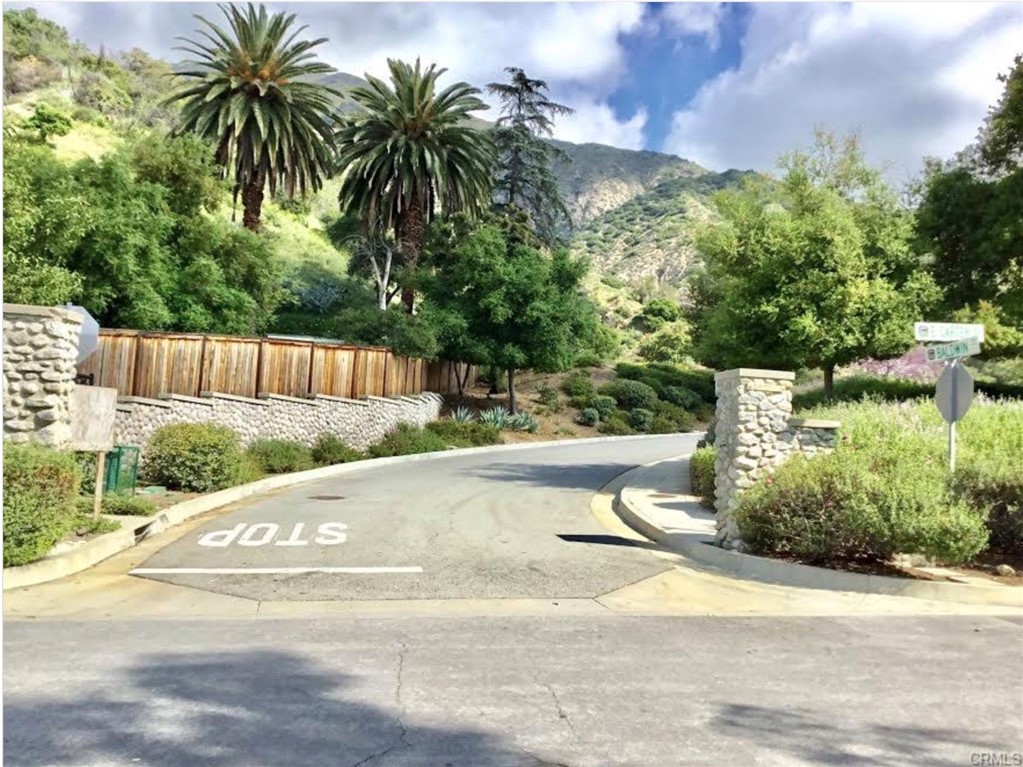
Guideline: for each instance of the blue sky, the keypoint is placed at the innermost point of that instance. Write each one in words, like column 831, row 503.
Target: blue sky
column 725, row 85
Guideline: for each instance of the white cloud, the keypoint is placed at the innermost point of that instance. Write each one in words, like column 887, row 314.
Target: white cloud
column 595, row 122
column 700, row 19
column 576, row 47
column 914, row 79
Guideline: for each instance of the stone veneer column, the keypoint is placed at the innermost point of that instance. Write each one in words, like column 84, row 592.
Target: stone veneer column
column 752, row 433
column 40, row 348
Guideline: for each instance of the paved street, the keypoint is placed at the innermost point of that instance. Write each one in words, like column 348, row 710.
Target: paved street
column 533, row 630
column 510, row 524
column 513, row 691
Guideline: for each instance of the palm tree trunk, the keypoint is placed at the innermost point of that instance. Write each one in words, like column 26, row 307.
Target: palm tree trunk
column 252, row 201
column 411, row 231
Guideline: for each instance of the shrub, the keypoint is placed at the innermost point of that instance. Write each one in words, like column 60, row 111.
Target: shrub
column 640, row 419
column 408, row 440
column 466, row 433
column 40, row 487
column 680, row 418
column 654, row 384
column 577, row 385
column 588, row 359
column 589, row 416
column 281, row 456
column 602, row 404
column 495, row 416
column 549, row 397
column 840, row 507
column 659, row 312
column 120, row 505
column 679, row 395
column 250, row 470
column 996, row 488
column 695, row 379
column 855, row 388
column 701, row 475
column 330, row 450
column 522, row 422
column 671, row 343
column 631, row 394
column 616, row 424
column 194, row 457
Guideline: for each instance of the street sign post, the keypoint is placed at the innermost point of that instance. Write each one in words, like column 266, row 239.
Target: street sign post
column 965, row 348
column 947, row 331
column 953, row 396
column 954, row 392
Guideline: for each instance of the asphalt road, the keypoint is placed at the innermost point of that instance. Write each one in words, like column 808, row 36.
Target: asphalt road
column 581, row 691
column 512, row 524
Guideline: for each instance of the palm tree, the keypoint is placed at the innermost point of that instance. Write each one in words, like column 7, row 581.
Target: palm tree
column 250, row 92
column 411, row 154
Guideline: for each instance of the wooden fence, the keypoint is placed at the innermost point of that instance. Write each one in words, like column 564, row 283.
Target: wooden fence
column 145, row 364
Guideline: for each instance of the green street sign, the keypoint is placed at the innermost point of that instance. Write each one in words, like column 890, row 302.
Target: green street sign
column 965, row 348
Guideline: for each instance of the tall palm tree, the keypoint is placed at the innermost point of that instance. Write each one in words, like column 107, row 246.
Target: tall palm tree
column 410, row 154
column 250, row 92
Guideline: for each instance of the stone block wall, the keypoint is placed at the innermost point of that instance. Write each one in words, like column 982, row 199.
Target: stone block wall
column 359, row 423
column 40, row 345
column 754, row 432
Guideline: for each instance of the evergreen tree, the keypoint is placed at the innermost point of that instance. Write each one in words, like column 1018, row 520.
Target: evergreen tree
column 523, row 175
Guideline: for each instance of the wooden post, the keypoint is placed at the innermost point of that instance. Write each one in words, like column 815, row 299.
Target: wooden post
column 97, row 498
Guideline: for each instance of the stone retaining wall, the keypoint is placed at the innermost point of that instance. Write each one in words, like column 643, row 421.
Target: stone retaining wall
column 359, row 423
column 40, row 345
column 755, row 431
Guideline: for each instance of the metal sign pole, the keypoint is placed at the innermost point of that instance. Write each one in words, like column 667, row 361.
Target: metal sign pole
column 952, row 425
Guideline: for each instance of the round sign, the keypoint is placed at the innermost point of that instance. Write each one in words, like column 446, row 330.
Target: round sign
column 88, row 339
column 954, row 393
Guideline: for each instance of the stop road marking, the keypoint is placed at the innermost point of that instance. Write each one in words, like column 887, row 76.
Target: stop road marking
column 264, row 533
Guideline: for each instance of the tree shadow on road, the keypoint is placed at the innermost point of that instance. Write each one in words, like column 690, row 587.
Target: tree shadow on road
column 577, row 476
column 248, row 709
column 816, row 740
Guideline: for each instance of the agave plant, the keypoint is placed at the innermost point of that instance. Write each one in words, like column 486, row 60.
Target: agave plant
column 462, row 414
column 251, row 92
column 523, row 422
column 495, row 416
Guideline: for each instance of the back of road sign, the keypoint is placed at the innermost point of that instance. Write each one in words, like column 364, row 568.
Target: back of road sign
column 954, row 393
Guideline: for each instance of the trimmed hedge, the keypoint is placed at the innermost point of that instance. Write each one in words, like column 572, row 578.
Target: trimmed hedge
column 701, row 475
column 40, row 488
column 194, row 457
column 616, row 424
column 698, row 380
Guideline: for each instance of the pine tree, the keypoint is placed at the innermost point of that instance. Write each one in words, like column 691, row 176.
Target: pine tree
column 523, row 175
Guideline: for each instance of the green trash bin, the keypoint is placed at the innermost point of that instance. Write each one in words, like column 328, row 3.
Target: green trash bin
column 122, row 469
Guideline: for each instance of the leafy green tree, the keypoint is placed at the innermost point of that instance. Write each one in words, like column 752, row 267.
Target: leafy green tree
column 523, row 175
column 250, row 92
column 672, row 343
column 969, row 222
column 410, row 154
column 47, row 121
column 513, row 310
column 823, row 278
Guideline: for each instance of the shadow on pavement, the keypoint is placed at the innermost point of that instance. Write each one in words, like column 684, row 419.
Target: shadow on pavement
column 815, row 740
column 610, row 540
column 578, row 476
column 237, row 709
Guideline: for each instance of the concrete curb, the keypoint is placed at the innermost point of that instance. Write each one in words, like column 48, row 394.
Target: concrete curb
column 700, row 549
column 93, row 552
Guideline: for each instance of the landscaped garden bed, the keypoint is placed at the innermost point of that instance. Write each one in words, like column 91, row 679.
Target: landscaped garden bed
column 886, row 492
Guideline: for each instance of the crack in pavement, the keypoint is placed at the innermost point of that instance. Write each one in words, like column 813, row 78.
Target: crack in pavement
column 557, row 704
column 402, row 741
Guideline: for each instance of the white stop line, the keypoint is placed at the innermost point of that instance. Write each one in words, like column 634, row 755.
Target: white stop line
column 270, row 570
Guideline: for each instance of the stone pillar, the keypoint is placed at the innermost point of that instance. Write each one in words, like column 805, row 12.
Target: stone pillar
column 40, row 348
column 751, row 434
